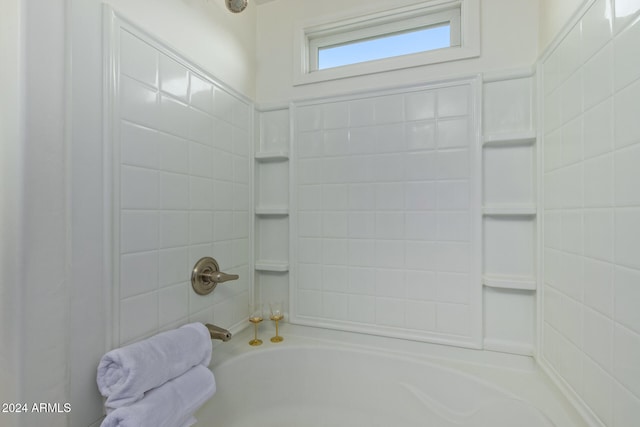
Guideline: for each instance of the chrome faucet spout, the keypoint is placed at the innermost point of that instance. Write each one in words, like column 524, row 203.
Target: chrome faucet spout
column 218, row 333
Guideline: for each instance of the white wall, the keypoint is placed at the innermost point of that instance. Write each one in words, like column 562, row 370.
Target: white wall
column 11, row 145
column 46, row 266
column 554, row 15
column 35, row 208
column 591, row 298
column 508, row 40
column 204, row 31
column 88, row 311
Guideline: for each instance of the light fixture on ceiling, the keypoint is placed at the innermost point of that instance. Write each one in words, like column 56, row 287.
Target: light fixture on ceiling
column 236, row 6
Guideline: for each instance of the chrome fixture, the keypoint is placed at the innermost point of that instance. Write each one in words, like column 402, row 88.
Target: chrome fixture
column 218, row 333
column 206, row 275
column 236, row 6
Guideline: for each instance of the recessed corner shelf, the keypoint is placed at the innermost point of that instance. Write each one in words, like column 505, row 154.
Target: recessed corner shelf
column 272, row 211
column 510, row 282
column 516, row 210
column 272, row 156
column 272, row 266
column 508, row 139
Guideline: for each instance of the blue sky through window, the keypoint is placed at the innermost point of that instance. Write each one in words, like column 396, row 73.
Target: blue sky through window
column 385, row 47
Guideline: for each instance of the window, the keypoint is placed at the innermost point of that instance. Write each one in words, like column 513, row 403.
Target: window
column 386, row 46
column 389, row 38
column 433, row 31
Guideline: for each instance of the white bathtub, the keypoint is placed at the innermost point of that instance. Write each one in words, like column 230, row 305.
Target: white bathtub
column 327, row 378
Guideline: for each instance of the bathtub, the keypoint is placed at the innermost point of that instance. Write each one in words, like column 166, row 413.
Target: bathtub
column 323, row 378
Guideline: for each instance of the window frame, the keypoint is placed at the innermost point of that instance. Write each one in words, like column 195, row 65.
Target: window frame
column 462, row 15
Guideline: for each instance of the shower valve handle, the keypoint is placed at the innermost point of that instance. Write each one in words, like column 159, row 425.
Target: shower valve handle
column 219, row 276
column 206, row 275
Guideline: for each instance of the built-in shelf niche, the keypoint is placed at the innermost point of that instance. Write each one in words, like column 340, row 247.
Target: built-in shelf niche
column 508, row 325
column 273, row 284
column 509, row 150
column 509, row 176
column 509, row 210
column 272, row 184
column 509, row 246
column 272, row 203
column 272, row 238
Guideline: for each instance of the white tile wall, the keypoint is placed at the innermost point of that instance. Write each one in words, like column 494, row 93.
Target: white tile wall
column 591, row 298
column 182, row 145
column 385, row 210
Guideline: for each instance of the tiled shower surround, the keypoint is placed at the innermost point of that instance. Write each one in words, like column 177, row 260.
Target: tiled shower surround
column 591, row 322
column 384, row 205
column 182, row 191
column 385, row 188
column 566, row 237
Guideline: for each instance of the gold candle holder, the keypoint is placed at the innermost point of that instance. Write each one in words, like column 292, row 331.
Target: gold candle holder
column 276, row 316
column 255, row 317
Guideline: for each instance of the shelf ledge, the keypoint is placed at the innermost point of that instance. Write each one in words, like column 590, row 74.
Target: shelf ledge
column 272, row 266
column 510, row 282
column 508, row 139
column 273, row 211
column 524, row 210
column 272, row 156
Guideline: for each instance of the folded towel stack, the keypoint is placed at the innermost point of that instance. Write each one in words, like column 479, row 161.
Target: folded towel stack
column 171, row 404
column 160, row 381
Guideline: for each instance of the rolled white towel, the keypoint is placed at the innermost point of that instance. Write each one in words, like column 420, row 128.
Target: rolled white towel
column 125, row 374
column 170, row 405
